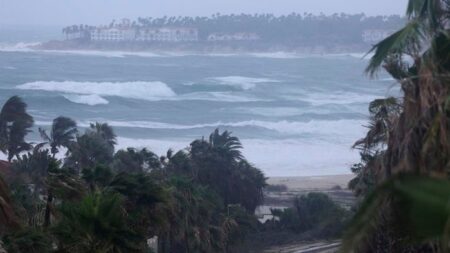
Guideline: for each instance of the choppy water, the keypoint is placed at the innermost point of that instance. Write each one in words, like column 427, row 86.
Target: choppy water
column 296, row 115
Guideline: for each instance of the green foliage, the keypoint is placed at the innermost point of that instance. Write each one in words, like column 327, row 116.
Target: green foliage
column 98, row 177
column 96, row 224
column 104, row 131
column 420, row 207
column 62, row 134
column 426, row 20
column 15, row 124
column 313, row 212
column 191, row 213
column 89, row 150
column 200, row 199
column 135, row 161
column 397, row 43
column 28, row 241
column 140, row 188
column 220, row 165
column 276, row 188
column 364, row 182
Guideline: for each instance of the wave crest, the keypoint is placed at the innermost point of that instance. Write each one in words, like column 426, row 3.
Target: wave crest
column 152, row 91
column 243, row 82
column 87, row 99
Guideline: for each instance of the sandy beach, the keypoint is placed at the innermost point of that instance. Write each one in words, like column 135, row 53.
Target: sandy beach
column 312, row 183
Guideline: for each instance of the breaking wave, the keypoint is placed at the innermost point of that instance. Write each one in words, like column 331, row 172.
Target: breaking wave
column 245, row 83
column 152, row 91
column 18, row 47
column 335, row 131
column 87, row 99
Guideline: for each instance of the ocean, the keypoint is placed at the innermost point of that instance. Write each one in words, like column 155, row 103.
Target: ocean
column 296, row 115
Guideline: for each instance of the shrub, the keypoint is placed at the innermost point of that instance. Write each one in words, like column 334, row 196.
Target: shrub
column 276, row 188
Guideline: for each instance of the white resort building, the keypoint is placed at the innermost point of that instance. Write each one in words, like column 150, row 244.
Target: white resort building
column 168, row 34
column 376, row 35
column 113, row 34
column 242, row 36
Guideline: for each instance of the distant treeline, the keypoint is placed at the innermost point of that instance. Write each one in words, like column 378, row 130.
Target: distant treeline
column 293, row 29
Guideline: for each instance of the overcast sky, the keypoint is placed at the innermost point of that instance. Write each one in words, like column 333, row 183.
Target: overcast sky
column 65, row 12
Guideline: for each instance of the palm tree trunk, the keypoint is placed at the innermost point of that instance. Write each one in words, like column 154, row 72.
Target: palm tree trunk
column 48, row 210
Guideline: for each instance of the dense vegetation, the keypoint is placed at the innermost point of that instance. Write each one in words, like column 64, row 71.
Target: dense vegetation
column 315, row 213
column 91, row 198
column 403, row 177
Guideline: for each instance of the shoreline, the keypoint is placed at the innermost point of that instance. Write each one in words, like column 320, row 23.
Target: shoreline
column 201, row 49
column 274, row 53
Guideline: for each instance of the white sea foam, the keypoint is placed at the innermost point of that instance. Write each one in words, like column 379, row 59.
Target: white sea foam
column 18, row 47
column 336, row 98
column 87, row 99
column 281, row 157
column 294, row 55
column 272, row 111
column 152, row 91
column 337, row 131
column 387, row 79
column 110, row 54
column 243, row 82
column 280, row 112
column 278, row 55
column 361, row 56
column 218, row 96
column 30, row 47
column 274, row 157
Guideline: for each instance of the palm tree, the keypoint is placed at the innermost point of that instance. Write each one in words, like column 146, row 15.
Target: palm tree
column 35, row 168
column 15, row 124
column 226, row 144
column 94, row 147
column 106, row 132
column 135, row 161
column 220, row 165
column 143, row 198
column 27, row 240
column 96, row 224
column 63, row 134
column 247, row 184
column 193, row 219
column 417, row 57
column 421, row 132
column 384, row 115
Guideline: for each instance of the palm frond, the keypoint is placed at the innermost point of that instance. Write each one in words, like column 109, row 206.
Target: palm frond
column 416, row 7
column 395, row 44
column 421, row 202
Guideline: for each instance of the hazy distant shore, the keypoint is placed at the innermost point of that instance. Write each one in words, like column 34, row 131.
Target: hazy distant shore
column 199, row 48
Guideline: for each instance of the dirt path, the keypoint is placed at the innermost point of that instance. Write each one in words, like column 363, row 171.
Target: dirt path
column 320, row 247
